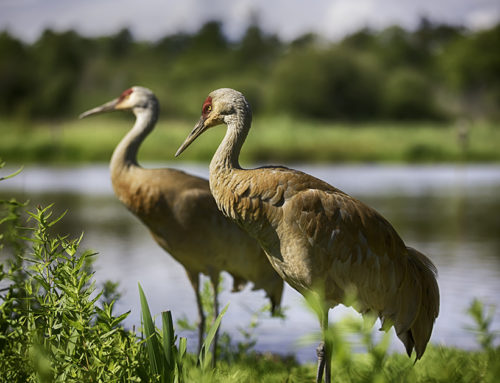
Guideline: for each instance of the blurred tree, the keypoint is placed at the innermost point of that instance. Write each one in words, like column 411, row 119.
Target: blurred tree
column 392, row 73
column 364, row 39
column 431, row 37
column 120, row 44
column 306, row 40
column 397, row 48
column 173, row 45
column 333, row 83
column 16, row 76
column 209, row 39
column 255, row 48
column 471, row 65
column 409, row 95
column 59, row 59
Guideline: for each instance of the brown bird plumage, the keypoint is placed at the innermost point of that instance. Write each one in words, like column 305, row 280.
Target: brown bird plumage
column 181, row 213
column 318, row 238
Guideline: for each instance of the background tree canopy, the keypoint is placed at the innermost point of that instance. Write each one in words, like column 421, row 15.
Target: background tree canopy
column 435, row 72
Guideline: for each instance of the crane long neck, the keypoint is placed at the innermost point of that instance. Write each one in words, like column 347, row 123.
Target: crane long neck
column 228, row 152
column 125, row 154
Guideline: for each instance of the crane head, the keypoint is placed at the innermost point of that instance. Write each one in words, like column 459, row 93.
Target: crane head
column 132, row 98
column 221, row 106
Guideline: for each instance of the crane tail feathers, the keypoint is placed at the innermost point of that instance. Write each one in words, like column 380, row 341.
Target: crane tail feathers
column 416, row 335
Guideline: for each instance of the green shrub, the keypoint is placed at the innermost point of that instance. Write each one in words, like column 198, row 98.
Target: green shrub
column 326, row 83
column 54, row 328
column 409, row 95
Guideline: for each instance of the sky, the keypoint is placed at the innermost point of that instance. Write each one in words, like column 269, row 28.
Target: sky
column 289, row 19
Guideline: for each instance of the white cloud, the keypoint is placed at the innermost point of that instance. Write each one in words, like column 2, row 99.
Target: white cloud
column 482, row 18
column 345, row 16
column 151, row 19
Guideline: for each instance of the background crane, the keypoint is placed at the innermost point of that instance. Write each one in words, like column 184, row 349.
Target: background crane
column 319, row 239
column 181, row 213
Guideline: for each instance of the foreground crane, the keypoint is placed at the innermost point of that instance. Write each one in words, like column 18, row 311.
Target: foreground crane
column 319, row 239
column 181, row 213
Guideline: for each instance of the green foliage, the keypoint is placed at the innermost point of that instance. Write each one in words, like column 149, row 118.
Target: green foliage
column 232, row 351
column 470, row 64
column 326, row 83
column 53, row 329
column 408, row 95
column 377, row 364
column 228, row 350
column 60, row 72
column 16, row 76
column 58, row 59
column 207, row 303
column 165, row 358
column 483, row 320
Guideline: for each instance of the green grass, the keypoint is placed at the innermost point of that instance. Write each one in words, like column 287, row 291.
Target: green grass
column 439, row 364
column 272, row 140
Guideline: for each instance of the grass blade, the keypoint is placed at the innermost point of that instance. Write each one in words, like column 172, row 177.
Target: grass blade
column 152, row 343
column 168, row 343
column 204, row 357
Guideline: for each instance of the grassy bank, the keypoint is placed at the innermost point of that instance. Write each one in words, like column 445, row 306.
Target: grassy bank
column 271, row 140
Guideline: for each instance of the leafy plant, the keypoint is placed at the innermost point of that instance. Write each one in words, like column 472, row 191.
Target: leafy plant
column 54, row 329
column 483, row 319
column 167, row 359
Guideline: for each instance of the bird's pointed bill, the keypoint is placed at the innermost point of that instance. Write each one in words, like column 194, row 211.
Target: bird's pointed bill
column 111, row 105
column 198, row 129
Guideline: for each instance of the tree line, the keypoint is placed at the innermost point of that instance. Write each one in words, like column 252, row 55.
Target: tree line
column 435, row 72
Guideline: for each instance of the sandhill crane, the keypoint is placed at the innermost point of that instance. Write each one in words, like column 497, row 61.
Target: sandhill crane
column 181, row 213
column 319, row 239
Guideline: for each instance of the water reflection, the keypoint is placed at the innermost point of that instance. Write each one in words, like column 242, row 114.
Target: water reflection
column 448, row 213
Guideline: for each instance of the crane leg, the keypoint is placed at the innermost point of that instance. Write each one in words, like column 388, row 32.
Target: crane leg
column 320, row 353
column 215, row 286
column 324, row 352
column 195, row 282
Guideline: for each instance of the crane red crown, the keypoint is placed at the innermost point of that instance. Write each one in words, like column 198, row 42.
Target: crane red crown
column 207, row 106
column 125, row 93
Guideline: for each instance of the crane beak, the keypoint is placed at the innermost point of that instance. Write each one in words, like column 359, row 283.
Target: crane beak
column 111, row 105
column 198, row 129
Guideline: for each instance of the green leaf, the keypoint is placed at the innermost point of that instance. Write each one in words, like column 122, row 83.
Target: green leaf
column 204, row 357
column 53, row 222
column 168, row 344
column 152, row 344
column 168, row 337
column 182, row 347
column 10, row 175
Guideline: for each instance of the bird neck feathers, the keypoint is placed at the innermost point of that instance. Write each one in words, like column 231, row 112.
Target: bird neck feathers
column 227, row 154
column 125, row 154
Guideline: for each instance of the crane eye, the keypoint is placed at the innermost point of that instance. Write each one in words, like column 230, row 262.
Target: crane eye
column 207, row 106
column 207, row 109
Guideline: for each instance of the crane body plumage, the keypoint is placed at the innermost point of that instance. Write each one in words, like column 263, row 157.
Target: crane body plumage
column 180, row 211
column 178, row 220
column 318, row 238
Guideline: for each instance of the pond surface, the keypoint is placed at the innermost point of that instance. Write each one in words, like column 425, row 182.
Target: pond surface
column 451, row 213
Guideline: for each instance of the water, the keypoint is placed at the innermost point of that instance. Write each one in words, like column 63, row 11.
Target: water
column 450, row 213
